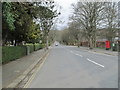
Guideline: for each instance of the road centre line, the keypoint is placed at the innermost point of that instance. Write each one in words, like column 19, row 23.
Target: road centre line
column 80, row 55
column 95, row 63
column 76, row 54
column 87, row 59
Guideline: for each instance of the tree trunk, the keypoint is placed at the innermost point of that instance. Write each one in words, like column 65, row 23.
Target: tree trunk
column 91, row 43
column 47, row 42
column 94, row 42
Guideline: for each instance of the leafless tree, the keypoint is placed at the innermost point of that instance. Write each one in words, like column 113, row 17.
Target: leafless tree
column 89, row 16
column 111, row 20
column 76, row 32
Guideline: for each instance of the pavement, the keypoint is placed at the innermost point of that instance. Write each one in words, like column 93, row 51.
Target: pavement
column 72, row 67
column 109, row 52
column 15, row 71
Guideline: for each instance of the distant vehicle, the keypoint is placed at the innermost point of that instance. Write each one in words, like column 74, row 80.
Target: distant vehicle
column 56, row 44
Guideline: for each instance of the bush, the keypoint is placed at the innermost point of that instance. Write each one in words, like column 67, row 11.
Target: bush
column 10, row 53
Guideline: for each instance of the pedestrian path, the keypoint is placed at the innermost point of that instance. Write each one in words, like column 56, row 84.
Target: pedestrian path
column 109, row 52
column 14, row 69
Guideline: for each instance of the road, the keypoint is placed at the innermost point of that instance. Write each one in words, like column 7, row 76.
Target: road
column 72, row 67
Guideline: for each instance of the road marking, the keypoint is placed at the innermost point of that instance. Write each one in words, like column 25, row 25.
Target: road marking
column 80, row 55
column 75, row 53
column 33, row 76
column 87, row 58
column 95, row 63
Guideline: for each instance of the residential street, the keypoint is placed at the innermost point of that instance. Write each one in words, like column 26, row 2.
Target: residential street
column 72, row 67
column 60, row 44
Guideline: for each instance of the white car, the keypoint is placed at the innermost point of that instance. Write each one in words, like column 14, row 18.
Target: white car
column 56, row 44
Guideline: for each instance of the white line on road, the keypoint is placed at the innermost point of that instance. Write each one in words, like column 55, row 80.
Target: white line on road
column 87, row 58
column 78, row 55
column 95, row 62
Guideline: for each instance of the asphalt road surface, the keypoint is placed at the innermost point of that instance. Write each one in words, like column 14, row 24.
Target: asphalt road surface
column 72, row 67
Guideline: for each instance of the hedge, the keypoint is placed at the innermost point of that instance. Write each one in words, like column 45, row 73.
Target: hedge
column 10, row 53
column 42, row 46
column 39, row 46
column 34, row 47
column 31, row 46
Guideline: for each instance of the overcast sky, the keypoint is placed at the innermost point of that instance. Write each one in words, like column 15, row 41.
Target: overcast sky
column 66, row 11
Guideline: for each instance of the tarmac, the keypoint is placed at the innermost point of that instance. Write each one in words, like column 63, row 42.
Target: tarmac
column 16, row 71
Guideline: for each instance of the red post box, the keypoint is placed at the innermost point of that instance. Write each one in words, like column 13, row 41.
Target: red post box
column 107, row 44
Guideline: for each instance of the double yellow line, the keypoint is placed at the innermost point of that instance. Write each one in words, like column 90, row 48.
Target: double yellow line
column 33, row 75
